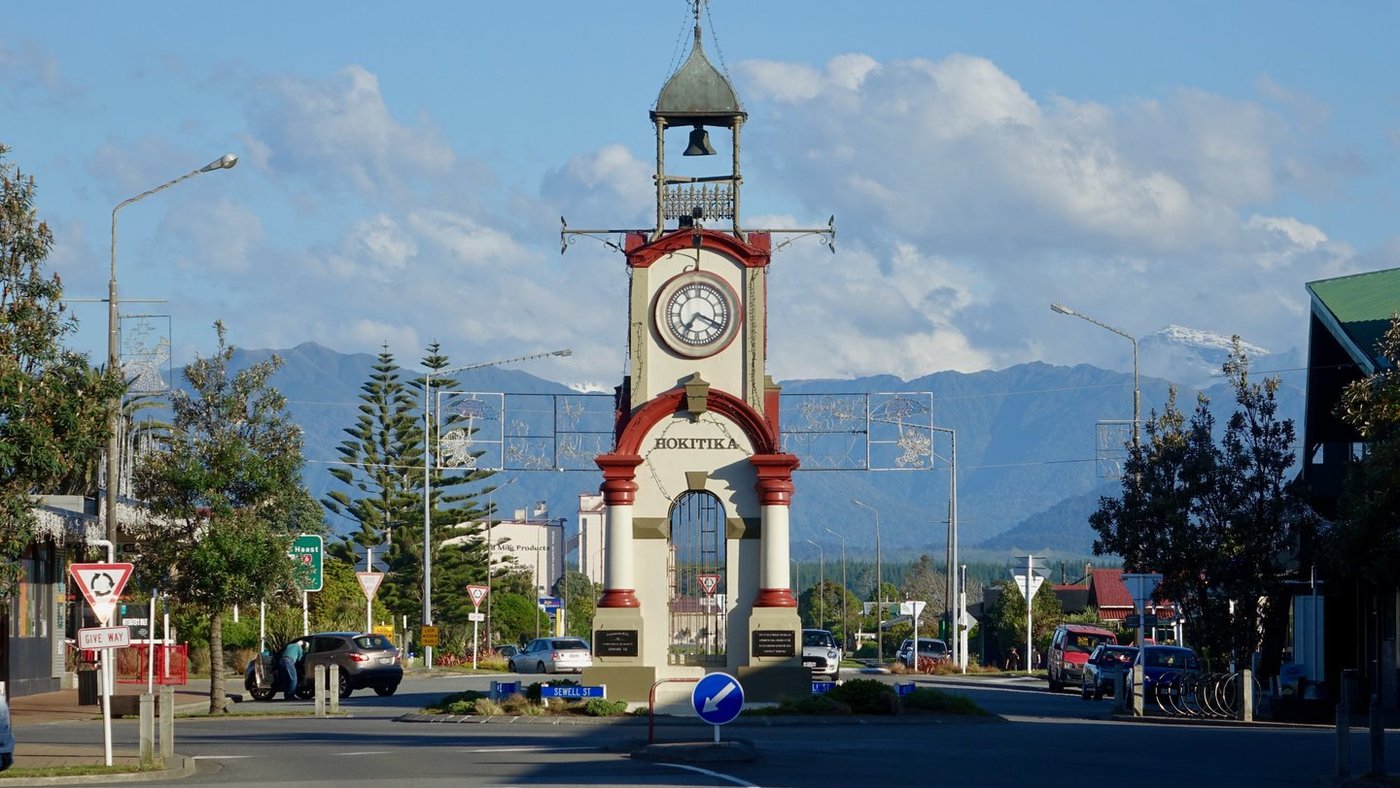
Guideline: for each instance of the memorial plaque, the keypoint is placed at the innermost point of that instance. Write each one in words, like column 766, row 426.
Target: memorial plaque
column 615, row 643
column 774, row 643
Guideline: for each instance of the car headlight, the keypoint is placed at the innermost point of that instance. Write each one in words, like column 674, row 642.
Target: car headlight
column 831, row 653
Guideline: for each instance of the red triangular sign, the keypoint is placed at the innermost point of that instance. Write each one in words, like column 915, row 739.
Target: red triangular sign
column 708, row 583
column 369, row 582
column 101, row 585
column 478, row 593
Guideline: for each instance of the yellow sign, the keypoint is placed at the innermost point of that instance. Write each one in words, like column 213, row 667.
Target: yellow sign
column 428, row 636
column 386, row 631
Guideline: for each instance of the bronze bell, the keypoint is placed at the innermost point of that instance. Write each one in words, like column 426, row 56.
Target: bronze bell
column 699, row 143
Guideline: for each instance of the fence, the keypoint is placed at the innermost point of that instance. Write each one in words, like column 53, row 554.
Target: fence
column 172, row 663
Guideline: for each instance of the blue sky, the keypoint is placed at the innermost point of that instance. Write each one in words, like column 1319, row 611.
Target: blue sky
column 402, row 170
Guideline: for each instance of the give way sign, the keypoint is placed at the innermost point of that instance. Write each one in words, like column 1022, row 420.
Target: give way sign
column 101, row 585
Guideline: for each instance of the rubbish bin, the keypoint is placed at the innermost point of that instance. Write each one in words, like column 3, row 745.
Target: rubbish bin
column 87, row 688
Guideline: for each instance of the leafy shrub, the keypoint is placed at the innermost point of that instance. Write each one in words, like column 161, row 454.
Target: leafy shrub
column 445, row 703
column 932, row 700
column 866, row 696
column 532, row 692
column 461, row 707
column 598, row 707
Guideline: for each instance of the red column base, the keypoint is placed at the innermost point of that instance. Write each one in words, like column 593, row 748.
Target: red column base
column 775, row 597
column 619, row 597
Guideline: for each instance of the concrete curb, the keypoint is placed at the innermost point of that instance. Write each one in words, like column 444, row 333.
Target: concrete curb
column 734, row 751
column 185, row 768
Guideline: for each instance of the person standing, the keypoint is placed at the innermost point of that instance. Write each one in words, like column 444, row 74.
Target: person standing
column 291, row 654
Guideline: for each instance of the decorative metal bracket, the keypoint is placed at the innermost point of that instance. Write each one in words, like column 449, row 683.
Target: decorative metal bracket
column 825, row 235
column 566, row 236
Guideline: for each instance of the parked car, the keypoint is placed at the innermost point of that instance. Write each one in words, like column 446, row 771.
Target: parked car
column 505, row 650
column 365, row 660
column 822, row 654
column 7, row 737
column 552, row 655
column 1070, row 647
column 1163, row 667
column 1106, row 664
column 929, row 649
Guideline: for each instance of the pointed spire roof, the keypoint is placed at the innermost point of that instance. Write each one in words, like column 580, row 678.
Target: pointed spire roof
column 698, row 93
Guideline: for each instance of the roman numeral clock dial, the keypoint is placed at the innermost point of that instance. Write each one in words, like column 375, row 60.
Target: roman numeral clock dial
column 697, row 314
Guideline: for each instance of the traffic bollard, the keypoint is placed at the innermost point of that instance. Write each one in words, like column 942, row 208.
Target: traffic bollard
column 319, row 682
column 1247, row 695
column 167, row 723
column 333, row 688
column 148, row 729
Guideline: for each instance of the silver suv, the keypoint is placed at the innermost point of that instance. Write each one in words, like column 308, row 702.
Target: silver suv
column 931, row 650
column 822, row 654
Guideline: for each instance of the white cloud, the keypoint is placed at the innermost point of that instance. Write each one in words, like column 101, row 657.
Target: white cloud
column 603, row 188
column 342, row 129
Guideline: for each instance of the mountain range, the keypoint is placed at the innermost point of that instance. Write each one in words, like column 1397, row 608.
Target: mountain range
column 1029, row 471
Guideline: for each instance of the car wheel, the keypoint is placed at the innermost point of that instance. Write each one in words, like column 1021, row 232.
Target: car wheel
column 385, row 692
column 259, row 693
column 539, row 667
column 1055, row 686
column 1098, row 692
column 344, row 687
column 305, row 692
column 510, row 665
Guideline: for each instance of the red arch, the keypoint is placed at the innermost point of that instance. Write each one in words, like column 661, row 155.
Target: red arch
column 757, row 253
column 759, row 431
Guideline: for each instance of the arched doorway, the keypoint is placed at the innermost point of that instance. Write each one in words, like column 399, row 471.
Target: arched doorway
column 696, row 574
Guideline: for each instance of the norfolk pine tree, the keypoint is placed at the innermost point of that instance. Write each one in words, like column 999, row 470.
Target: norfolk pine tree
column 379, row 461
column 225, row 497
column 53, row 409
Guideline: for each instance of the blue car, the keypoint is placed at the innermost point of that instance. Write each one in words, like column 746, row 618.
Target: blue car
column 7, row 739
column 1163, row 667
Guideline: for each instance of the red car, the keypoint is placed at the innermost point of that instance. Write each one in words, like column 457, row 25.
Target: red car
column 1070, row 647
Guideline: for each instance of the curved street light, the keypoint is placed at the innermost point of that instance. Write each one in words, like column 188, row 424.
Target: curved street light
column 428, row 478
column 1137, row 394
column 879, row 589
column 114, row 359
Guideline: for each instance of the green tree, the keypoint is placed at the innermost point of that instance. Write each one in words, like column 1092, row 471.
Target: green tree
column 517, row 617
column 1363, row 545
column 380, row 458
column 1005, row 622
column 225, row 497
column 53, row 409
column 580, row 597
column 1219, row 521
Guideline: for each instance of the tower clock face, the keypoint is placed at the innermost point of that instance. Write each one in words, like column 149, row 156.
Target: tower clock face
column 697, row 314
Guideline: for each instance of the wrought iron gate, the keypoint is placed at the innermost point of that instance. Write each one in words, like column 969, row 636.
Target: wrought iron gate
column 697, row 579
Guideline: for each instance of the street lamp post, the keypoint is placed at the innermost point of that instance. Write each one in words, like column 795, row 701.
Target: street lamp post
column 428, row 478
column 1137, row 395
column 821, row 585
column 845, row 622
column 879, row 590
column 114, row 359
column 953, row 584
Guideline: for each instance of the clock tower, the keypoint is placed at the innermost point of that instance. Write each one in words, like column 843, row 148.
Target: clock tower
column 697, row 488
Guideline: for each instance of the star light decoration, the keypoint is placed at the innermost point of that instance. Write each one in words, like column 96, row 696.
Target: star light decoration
column 455, row 448
column 144, row 356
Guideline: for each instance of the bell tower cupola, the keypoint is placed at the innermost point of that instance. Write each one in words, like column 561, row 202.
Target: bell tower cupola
column 697, row 97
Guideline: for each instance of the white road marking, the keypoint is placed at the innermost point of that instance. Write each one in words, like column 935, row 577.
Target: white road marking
column 708, row 773
column 525, row 749
column 219, row 757
column 365, row 752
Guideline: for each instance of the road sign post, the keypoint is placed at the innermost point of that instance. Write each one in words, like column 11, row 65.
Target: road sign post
column 1028, row 583
column 369, row 583
column 718, row 698
column 102, row 586
column 477, row 594
column 306, row 553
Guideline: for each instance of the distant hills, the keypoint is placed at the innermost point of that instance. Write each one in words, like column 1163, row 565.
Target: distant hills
column 1026, row 440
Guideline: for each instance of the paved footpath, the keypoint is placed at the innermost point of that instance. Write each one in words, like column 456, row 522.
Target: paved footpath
column 47, row 708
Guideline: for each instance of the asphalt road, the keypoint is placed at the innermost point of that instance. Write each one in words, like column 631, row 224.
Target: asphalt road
column 1045, row 739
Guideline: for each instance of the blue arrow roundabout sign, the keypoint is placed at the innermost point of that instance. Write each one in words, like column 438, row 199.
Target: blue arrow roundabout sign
column 717, row 698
